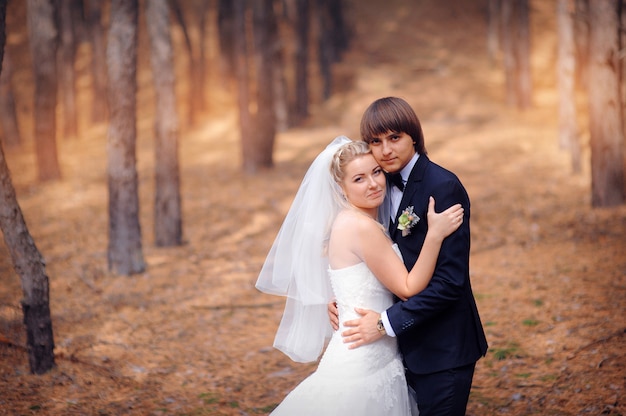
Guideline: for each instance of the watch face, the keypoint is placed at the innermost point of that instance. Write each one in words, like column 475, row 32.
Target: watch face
column 381, row 327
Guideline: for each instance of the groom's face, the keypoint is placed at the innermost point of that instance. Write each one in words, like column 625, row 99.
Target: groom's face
column 392, row 150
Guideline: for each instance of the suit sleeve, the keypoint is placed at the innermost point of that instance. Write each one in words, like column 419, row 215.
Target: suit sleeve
column 451, row 272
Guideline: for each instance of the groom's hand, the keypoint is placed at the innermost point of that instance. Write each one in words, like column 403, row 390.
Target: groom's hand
column 362, row 331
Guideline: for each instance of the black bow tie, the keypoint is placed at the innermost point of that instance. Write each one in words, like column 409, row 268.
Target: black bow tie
column 396, row 180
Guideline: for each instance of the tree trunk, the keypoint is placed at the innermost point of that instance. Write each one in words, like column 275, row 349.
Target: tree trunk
column 621, row 22
column 31, row 267
column 516, row 50
column 196, row 55
column 566, row 65
column 338, row 28
column 524, row 78
column 493, row 30
column 581, row 37
column 100, row 108
column 281, row 95
column 167, row 210
column 193, row 64
column 66, row 58
column 243, row 89
column 81, row 33
column 302, row 59
column 326, row 47
column 226, row 29
column 43, row 44
column 8, row 114
column 508, row 51
column 125, row 252
column 333, row 40
column 199, row 99
column 605, row 107
column 265, row 122
column 27, row 260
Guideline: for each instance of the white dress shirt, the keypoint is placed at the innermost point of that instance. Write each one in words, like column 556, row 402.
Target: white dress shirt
column 395, row 196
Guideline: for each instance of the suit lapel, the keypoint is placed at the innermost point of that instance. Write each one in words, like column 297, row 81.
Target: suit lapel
column 411, row 188
column 412, row 184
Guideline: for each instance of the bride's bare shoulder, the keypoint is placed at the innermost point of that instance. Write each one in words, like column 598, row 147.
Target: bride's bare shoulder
column 353, row 220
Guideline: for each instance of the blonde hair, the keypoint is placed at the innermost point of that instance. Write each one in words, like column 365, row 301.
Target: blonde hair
column 344, row 155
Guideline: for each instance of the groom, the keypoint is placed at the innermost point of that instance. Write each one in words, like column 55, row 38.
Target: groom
column 439, row 331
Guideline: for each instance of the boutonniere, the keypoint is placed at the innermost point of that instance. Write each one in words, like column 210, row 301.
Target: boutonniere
column 407, row 220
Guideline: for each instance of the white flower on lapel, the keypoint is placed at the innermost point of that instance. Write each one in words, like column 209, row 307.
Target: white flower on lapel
column 407, row 220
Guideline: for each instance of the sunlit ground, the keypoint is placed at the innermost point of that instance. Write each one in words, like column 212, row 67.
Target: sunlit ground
column 191, row 335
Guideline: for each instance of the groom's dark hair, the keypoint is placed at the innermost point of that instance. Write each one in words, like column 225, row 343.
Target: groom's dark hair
column 392, row 114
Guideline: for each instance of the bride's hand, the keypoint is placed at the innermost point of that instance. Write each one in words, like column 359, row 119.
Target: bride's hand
column 333, row 314
column 445, row 223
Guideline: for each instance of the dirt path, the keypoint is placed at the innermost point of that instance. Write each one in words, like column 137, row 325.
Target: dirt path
column 192, row 336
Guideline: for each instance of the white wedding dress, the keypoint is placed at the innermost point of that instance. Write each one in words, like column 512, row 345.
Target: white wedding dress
column 368, row 380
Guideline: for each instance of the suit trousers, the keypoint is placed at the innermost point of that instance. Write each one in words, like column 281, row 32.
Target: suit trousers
column 444, row 393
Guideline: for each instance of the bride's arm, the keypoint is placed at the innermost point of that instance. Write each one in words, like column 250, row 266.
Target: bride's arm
column 389, row 268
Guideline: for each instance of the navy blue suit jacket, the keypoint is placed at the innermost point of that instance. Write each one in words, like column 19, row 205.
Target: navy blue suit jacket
column 439, row 328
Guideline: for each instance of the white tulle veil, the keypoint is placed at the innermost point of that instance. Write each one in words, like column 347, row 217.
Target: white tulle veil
column 297, row 264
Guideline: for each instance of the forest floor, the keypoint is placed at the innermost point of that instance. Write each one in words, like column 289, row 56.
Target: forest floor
column 192, row 336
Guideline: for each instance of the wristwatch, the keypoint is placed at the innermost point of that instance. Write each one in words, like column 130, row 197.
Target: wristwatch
column 381, row 327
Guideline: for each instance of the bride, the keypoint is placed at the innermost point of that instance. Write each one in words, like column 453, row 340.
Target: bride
column 332, row 245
